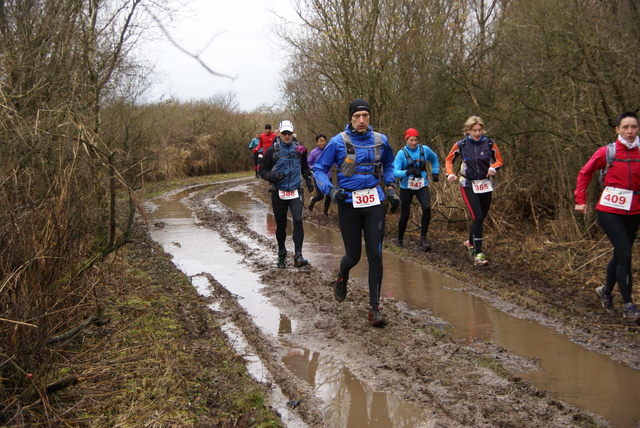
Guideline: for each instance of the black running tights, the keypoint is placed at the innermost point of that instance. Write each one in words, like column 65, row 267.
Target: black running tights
column 354, row 222
column 621, row 231
column 280, row 208
column 423, row 196
column 478, row 205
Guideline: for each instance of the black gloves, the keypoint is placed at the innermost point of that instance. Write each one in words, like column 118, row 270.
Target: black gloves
column 435, row 177
column 309, row 184
column 415, row 172
column 394, row 200
column 338, row 195
column 277, row 177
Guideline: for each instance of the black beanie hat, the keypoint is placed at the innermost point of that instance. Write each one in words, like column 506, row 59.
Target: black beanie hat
column 358, row 105
column 267, row 126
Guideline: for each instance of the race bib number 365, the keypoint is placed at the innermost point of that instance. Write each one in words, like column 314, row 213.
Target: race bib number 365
column 616, row 198
column 482, row 186
column 288, row 194
column 365, row 198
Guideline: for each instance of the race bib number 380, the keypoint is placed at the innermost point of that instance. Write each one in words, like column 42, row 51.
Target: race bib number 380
column 288, row 194
column 616, row 198
column 365, row 198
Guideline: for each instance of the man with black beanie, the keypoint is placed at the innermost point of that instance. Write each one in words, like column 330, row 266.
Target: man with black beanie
column 365, row 159
column 265, row 140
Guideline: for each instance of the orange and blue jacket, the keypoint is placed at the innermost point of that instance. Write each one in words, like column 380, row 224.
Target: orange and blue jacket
column 477, row 158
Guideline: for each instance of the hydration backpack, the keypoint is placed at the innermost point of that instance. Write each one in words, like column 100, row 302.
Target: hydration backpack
column 422, row 162
column 348, row 167
column 276, row 150
column 610, row 157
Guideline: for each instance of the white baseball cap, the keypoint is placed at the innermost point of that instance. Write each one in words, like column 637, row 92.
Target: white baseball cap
column 286, row 125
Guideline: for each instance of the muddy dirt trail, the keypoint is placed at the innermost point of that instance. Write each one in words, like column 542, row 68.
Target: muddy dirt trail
column 329, row 367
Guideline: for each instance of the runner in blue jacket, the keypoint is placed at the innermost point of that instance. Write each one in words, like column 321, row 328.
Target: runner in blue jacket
column 365, row 158
column 410, row 167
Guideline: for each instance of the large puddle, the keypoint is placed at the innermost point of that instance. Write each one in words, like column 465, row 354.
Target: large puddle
column 349, row 402
column 569, row 372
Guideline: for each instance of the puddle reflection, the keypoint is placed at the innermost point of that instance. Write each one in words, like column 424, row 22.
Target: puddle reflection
column 197, row 250
column 351, row 403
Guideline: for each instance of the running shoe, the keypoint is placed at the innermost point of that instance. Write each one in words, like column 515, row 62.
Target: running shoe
column 340, row 287
column 424, row 243
column 299, row 261
column 480, row 260
column 630, row 312
column 282, row 258
column 375, row 317
column 469, row 247
column 311, row 206
column 606, row 299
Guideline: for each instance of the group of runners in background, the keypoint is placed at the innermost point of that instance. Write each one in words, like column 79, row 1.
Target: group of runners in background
column 367, row 171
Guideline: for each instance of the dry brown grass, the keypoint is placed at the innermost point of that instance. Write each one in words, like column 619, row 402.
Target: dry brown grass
column 161, row 361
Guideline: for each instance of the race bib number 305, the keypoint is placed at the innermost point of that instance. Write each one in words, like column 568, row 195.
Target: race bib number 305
column 288, row 194
column 616, row 198
column 365, row 198
column 482, row 186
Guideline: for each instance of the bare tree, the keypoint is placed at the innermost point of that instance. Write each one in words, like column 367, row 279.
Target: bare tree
column 58, row 175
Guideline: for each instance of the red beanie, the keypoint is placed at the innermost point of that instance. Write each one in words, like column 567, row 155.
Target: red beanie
column 410, row 133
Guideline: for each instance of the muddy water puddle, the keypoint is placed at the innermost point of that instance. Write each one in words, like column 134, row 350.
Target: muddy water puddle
column 198, row 251
column 567, row 371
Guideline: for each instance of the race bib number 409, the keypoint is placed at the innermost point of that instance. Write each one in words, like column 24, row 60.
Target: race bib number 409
column 288, row 194
column 365, row 198
column 482, row 186
column 616, row 198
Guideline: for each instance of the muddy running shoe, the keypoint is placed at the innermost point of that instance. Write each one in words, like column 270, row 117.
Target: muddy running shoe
column 630, row 312
column 375, row 317
column 311, row 206
column 469, row 248
column 606, row 299
column 424, row 243
column 299, row 261
column 282, row 258
column 340, row 288
column 480, row 260
column 399, row 243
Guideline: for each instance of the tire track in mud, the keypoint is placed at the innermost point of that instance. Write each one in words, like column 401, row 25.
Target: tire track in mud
column 411, row 357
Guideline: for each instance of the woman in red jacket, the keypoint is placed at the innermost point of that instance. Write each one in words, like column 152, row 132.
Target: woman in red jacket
column 618, row 209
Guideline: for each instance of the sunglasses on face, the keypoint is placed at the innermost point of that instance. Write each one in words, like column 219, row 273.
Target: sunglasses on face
column 286, row 132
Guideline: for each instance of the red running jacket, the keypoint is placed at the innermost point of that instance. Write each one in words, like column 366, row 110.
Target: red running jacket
column 266, row 141
column 621, row 175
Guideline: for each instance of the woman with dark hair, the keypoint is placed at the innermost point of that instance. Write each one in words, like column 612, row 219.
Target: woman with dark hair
column 618, row 209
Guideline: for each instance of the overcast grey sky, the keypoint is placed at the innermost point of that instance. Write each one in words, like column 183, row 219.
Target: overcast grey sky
column 244, row 47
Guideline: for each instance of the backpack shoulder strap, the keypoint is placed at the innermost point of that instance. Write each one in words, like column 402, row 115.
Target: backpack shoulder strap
column 346, row 139
column 276, row 153
column 348, row 146
column 377, row 145
column 406, row 155
column 609, row 158
column 611, row 154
